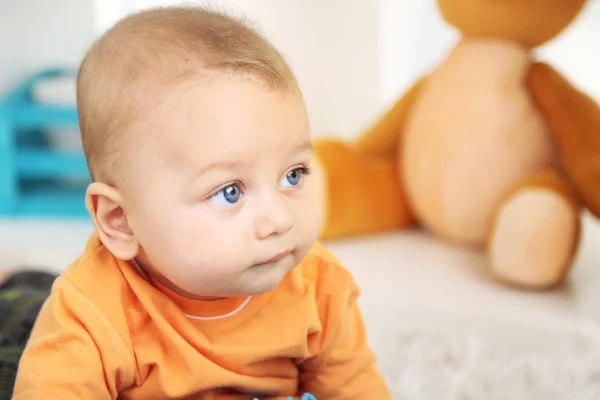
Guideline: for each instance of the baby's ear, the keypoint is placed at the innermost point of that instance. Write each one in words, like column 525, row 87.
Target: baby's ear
column 105, row 206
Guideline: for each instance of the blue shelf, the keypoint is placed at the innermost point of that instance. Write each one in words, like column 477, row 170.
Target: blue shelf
column 38, row 181
column 32, row 116
column 50, row 164
column 51, row 200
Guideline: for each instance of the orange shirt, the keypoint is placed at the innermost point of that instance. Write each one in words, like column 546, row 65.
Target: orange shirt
column 106, row 332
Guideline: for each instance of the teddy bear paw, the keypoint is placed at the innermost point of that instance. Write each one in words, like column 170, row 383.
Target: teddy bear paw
column 533, row 239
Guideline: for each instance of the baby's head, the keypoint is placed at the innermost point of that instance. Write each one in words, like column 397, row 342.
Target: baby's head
column 197, row 139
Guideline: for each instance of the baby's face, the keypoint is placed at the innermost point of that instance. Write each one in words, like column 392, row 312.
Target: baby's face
column 219, row 196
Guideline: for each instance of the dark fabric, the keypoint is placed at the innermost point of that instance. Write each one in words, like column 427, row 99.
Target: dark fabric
column 29, row 279
column 21, row 297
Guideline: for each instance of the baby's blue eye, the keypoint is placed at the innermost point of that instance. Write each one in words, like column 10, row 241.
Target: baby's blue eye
column 227, row 196
column 292, row 178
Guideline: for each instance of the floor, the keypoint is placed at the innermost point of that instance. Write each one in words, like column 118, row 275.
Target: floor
column 407, row 278
column 413, row 279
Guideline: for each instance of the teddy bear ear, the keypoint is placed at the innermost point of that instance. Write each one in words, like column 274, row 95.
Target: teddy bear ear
column 529, row 22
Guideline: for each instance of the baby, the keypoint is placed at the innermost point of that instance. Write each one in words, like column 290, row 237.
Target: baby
column 203, row 278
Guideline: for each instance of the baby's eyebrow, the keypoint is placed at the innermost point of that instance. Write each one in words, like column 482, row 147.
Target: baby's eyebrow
column 305, row 146
column 233, row 164
column 222, row 164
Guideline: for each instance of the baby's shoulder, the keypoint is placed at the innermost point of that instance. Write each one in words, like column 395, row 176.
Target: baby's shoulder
column 96, row 275
column 95, row 283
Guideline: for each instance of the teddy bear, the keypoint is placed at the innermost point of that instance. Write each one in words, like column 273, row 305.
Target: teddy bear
column 491, row 149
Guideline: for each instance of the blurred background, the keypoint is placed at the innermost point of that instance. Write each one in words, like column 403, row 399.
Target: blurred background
column 352, row 59
column 351, row 56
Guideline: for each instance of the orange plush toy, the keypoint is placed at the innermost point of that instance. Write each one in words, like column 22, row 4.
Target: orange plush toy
column 491, row 150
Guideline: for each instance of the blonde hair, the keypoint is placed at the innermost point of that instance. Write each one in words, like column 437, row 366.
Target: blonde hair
column 150, row 50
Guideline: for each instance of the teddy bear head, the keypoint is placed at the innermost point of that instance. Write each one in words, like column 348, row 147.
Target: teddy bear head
column 529, row 22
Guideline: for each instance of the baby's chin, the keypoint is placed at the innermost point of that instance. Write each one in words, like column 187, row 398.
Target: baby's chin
column 256, row 279
column 260, row 279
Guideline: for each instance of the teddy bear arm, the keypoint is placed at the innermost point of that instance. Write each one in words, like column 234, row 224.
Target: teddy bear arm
column 382, row 137
column 357, row 185
column 357, row 194
column 574, row 121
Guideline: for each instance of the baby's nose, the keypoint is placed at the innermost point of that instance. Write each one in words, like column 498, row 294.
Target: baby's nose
column 275, row 218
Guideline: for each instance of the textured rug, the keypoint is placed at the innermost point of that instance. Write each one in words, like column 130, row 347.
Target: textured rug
column 428, row 365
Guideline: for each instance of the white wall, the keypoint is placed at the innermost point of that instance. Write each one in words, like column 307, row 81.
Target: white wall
column 415, row 38
column 576, row 53
column 332, row 46
column 36, row 33
column 352, row 57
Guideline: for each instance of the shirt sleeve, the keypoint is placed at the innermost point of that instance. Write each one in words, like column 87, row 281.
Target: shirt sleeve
column 346, row 368
column 72, row 352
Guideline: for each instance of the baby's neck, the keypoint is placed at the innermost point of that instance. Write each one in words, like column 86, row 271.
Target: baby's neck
column 170, row 286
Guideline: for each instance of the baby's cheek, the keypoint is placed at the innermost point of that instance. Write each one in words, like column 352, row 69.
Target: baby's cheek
column 307, row 222
column 222, row 245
